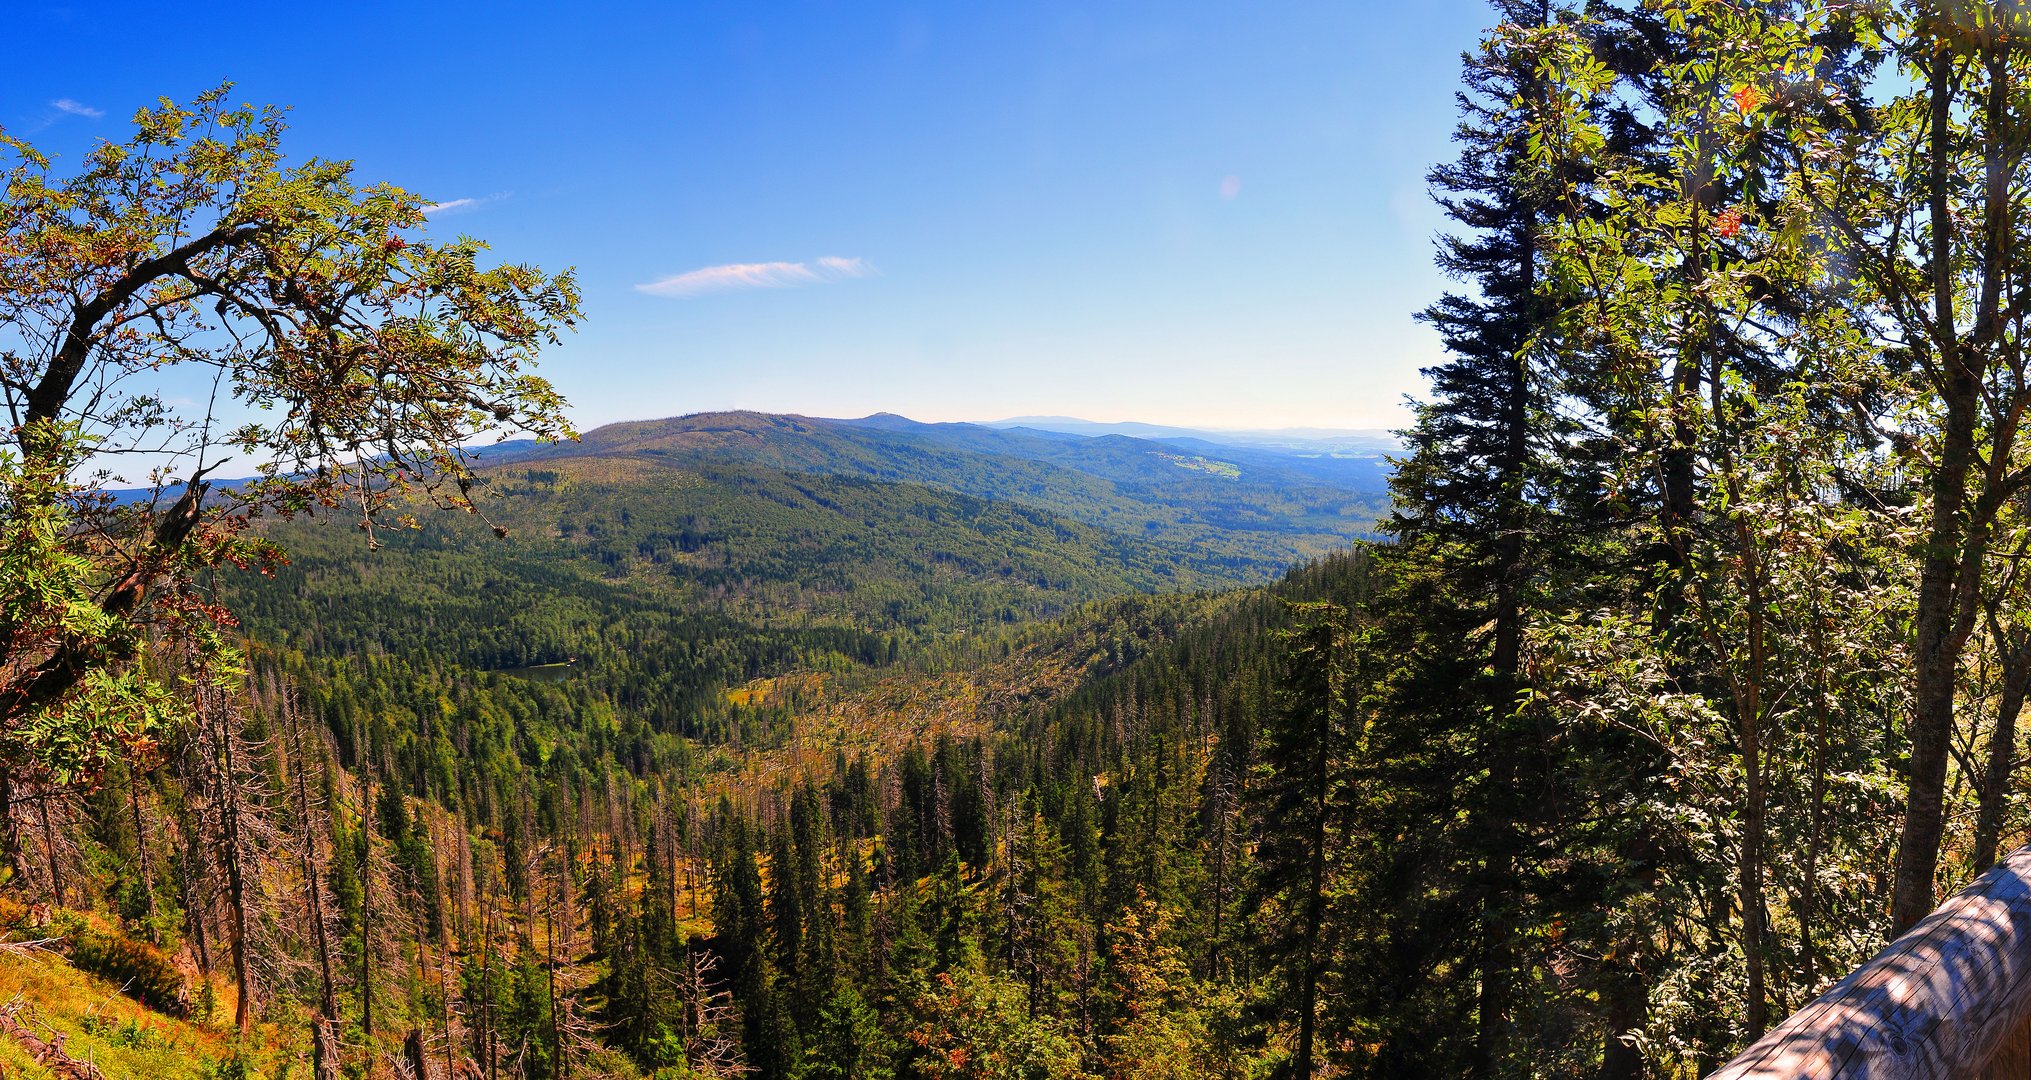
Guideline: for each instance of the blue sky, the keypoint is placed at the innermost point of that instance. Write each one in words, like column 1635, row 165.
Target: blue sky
column 1192, row 213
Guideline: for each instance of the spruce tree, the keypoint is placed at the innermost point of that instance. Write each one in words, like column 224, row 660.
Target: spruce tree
column 1477, row 525
column 1303, row 805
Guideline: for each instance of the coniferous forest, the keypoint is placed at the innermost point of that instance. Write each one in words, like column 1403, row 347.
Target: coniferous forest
column 1674, row 670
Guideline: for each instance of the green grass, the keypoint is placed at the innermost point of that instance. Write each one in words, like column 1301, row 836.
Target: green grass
column 1205, row 465
column 120, row 1035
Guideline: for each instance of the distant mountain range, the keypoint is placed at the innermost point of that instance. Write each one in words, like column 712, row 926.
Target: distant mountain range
column 1299, row 440
column 774, row 528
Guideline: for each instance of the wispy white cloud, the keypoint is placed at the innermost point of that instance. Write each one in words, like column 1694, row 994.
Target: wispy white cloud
column 456, row 206
column 768, row 275
column 76, row 108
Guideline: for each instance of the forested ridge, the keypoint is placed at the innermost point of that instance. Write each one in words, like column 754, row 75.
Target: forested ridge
column 1683, row 672
column 1261, row 507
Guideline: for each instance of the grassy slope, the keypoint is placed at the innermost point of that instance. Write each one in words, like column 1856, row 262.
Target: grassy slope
column 879, row 713
column 121, row 1036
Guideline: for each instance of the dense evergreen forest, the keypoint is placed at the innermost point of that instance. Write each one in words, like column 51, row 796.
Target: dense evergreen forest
column 1683, row 672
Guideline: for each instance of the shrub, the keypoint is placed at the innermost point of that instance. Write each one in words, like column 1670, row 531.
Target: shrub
column 129, row 1034
column 142, row 970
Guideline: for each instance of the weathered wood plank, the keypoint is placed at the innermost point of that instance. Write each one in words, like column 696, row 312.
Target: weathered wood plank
column 1944, row 1002
column 2012, row 1060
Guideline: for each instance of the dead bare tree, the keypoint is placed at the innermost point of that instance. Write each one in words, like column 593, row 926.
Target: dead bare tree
column 365, row 857
column 219, row 767
column 38, row 820
column 554, row 923
column 712, row 1023
column 233, row 804
column 384, row 923
column 449, row 849
column 313, row 843
column 485, row 1043
column 135, row 776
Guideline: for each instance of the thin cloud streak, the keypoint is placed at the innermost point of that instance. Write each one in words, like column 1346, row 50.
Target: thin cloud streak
column 767, row 275
column 460, row 205
column 76, row 108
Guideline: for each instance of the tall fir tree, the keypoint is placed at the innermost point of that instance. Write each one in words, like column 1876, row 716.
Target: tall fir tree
column 1309, row 824
column 1483, row 525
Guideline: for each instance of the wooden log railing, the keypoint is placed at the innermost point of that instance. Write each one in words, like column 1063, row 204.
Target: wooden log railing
column 1950, row 1000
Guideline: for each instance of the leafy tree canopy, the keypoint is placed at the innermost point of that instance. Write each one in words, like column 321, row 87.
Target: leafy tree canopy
column 363, row 357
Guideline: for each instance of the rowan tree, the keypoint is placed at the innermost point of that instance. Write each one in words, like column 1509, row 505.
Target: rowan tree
column 350, row 363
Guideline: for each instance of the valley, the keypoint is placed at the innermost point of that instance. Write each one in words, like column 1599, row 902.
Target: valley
column 697, row 630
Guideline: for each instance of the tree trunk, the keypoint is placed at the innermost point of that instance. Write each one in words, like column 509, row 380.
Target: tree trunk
column 147, row 879
column 1815, row 837
column 1625, row 997
column 2002, row 757
column 10, row 829
column 324, row 1048
column 49, row 852
column 366, row 865
column 195, row 901
column 486, row 983
column 1748, row 694
column 223, row 725
column 1955, row 549
column 550, row 974
column 413, row 1055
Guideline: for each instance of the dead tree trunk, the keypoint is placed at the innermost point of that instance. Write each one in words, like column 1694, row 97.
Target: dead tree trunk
column 49, row 852
column 10, row 830
column 366, row 863
column 324, row 1050
column 236, row 875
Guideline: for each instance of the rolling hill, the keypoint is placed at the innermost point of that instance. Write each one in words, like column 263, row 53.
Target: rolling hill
column 1248, row 504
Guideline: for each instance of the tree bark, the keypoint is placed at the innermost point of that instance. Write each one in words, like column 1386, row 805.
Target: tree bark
column 49, row 852
column 1748, row 696
column 10, row 829
column 412, row 1053
column 1957, row 535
